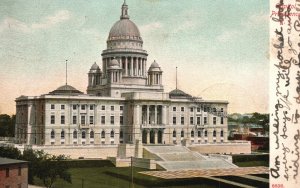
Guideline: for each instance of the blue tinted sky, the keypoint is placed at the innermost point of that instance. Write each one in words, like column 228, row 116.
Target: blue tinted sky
column 220, row 47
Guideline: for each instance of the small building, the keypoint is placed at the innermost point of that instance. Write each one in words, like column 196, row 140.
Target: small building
column 13, row 173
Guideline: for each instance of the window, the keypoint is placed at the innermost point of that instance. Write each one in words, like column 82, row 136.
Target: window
column 7, row 172
column 74, row 119
column 205, row 120
column 214, row 120
column 182, row 133
column 83, row 134
column 112, row 108
column 205, row 109
column 121, row 120
column 102, row 119
column 198, row 120
column 91, row 120
column 52, row 106
column 198, row 109
column 174, row 134
column 83, row 107
column 192, row 109
column 192, row 134
column 92, row 134
column 74, row 106
column 182, row 120
column 174, row 120
column 182, row 109
column 214, row 110
column 62, row 134
column 174, row 109
column 102, row 107
column 222, row 120
column 222, row 110
column 121, row 134
column 74, row 134
column 121, row 108
column 214, row 134
column 83, row 120
column 199, row 133
column 62, row 107
column 103, row 134
column 222, row 134
column 52, row 119
column 62, row 119
column 191, row 120
column 112, row 120
column 92, row 107
column 205, row 133
column 52, row 134
column 112, row 134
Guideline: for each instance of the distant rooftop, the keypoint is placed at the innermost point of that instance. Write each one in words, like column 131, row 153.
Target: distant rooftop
column 6, row 161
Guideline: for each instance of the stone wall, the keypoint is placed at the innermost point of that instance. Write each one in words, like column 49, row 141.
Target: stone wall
column 223, row 148
column 74, row 152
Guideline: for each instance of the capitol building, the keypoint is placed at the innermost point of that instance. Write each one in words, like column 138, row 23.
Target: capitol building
column 125, row 106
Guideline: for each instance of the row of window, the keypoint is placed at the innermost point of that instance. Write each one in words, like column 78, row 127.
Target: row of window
column 205, row 109
column 83, row 134
column 198, row 120
column 83, row 107
column 83, row 120
column 199, row 133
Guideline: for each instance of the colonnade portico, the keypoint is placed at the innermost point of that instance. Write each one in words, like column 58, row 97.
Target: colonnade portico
column 132, row 66
column 153, row 136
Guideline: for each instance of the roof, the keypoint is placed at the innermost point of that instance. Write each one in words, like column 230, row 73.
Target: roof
column 154, row 67
column 6, row 161
column 65, row 90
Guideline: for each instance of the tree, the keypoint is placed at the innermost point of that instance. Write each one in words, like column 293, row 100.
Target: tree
column 7, row 125
column 47, row 167
column 10, row 152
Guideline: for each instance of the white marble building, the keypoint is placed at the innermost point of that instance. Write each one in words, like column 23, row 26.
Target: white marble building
column 125, row 101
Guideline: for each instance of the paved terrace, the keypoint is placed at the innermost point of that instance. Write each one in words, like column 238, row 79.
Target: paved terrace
column 207, row 172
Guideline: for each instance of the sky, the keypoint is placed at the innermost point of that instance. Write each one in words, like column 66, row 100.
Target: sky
column 220, row 46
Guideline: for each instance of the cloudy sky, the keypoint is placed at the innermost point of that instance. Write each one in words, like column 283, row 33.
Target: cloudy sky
column 220, row 47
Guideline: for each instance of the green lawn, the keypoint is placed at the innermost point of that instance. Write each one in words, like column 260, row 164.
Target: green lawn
column 111, row 177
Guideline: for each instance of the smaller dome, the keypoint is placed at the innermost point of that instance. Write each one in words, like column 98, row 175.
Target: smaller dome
column 177, row 93
column 113, row 63
column 154, row 67
column 95, row 66
column 66, row 90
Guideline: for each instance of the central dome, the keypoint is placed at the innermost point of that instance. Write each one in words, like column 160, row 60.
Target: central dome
column 125, row 29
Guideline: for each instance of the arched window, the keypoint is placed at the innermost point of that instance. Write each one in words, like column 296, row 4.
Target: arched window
column 192, row 133
column 112, row 134
column 222, row 133
column 103, row 134
column 214, row 134
column 83, row 134
column 62, row 134
column 92, row 134
column 174, row 134
column 74, row 134
column 52, row 134
column 205, row 133
column 182, row 133
column 121, row 134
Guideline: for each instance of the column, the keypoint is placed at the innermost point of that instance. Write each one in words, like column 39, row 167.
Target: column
column 164, row 117
column 139, row 67
column 155, row 114
column 126, row 66
column 148, row 136
column 147, row 115
column 131, row 68
column 143, row 67
column 210, row 135
column 155, row 137
column 218, row 136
